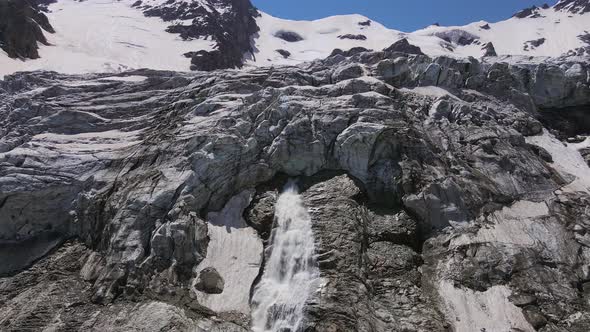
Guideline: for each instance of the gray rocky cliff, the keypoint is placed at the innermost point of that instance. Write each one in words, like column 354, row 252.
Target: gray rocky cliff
column 439, row 200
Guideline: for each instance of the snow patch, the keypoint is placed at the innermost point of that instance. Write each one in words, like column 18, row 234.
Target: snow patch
column 235, row 251
column 87, row 142
column 431, row 91
column 489, row 311
column 131, row 78
column 567, row 160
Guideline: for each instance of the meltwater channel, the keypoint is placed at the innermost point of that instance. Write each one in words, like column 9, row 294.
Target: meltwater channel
column 291, row 273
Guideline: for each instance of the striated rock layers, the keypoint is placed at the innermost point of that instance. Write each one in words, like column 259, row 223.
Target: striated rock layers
column 439, row 201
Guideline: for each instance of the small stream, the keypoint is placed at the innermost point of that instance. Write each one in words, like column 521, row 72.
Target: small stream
column 291, row 273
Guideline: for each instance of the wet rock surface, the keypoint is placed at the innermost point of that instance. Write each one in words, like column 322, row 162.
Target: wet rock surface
column 438, row 198
column 366, row 263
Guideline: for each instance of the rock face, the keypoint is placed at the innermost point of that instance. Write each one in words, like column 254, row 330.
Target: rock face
column 21, row 27
column 532, row 12
column 573, row 6
column 404, row 46
column 489, row 50
column 369, row 260
column 531, row 44
column 353, row 37
column 439, row 201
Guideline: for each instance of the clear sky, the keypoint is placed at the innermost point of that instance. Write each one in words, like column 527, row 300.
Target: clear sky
column 407, row 15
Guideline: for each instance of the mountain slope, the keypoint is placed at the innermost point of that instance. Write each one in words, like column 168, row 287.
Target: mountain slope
column 310, row 40
column 99, row 36
column 90, row 38
column 182, row 35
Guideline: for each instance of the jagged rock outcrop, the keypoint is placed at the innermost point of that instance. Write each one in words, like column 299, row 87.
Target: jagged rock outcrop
column 458, row 37
column 21, row 27
column 531, row 12
column 369, row 260
column 404, row 46
column 427, row 179
column 573, row 6
column 489, row 50
column 353, row 37
column 230, row 23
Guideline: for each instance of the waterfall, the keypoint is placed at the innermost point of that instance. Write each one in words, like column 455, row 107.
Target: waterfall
column 291, row 273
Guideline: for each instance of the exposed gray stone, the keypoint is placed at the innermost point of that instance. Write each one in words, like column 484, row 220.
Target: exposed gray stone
column 426, row 192
column 209, row 281
column 352, row 70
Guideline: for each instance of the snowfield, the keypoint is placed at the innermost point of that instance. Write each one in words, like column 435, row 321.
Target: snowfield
column 320, row 38
column 106, row 36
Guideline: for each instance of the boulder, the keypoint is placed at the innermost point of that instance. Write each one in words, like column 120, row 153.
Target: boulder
column 209, row 281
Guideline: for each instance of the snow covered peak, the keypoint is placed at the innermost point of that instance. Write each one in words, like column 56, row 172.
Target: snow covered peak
column 291, row 42
column 110, row 36
column 536, row 31
column 182, row 35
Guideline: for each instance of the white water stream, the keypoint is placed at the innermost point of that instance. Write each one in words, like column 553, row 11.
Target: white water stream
column 291, row 273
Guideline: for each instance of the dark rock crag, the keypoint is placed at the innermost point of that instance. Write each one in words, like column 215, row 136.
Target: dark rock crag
column 404, row 46
column 489, row 50
column 21, row 26
column 353, row 37
column 532, row 44
column 573, row 6
column 531, row 12
column 231, row 23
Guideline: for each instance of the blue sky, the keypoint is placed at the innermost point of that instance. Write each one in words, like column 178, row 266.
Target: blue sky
column 401, row 15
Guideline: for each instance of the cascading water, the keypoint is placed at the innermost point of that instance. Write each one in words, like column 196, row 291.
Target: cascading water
column 291, row 273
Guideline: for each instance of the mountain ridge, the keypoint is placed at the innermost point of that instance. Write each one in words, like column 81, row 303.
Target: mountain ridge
column 216, row 34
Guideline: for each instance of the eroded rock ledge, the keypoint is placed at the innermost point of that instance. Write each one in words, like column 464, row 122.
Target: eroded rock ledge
column 449, row 204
